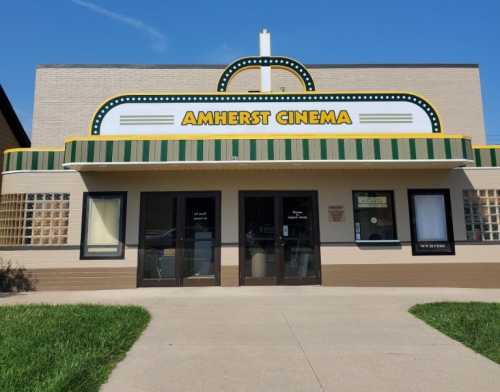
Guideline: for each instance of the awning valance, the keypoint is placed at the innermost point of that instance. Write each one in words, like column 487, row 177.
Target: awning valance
column 150, row 153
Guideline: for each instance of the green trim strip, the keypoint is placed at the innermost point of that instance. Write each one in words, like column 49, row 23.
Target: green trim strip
column 50, row 161
column 465, row 154
column 164, row 150
column 288, row 149
column 19, row 163
column 90, row 151
column 376, row 149
column 127, row 153
column 270, row 150
column 395, row 149
column 323, row 149
column 217, row 152
column 493, row 157
column 447, row 148
column 305, row 149
column 253, row 150
column 413, row 149
column 73, row 151
column 341, row 149
column 7, row 162
column 182, row 150
column 199, row 150
column 430, row 149
column 477, row 154
column 359, row 149
column 34, row 160
column 235, row 148
column 145, row 150
column 109, row 151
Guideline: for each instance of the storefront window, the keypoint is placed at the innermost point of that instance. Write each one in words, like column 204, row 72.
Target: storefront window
column 103, row 225
column 374, row 216
column 430, row 215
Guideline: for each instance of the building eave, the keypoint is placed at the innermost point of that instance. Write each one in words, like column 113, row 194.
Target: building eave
column 12, row 120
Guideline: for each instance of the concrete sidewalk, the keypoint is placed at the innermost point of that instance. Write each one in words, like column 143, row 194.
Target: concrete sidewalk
column 290, row 339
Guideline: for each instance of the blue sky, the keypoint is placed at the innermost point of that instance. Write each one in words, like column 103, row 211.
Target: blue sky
column 165, row 32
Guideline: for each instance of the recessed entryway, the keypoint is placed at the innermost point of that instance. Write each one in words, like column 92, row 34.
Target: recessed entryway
column 279, row 237
column 179, row 239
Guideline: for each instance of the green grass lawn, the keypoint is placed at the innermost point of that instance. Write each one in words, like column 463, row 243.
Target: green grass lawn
column 64, row 347
column 475, row 324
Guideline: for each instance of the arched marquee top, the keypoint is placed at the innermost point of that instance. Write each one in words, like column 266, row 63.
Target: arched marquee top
column 286, row 63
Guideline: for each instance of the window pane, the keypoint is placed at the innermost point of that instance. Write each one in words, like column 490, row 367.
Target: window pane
column 160, row 236
column 103, row 225
column 260, row 257
column 199, row 244
column 373, row 216
column 298, row 237
column 430, row 218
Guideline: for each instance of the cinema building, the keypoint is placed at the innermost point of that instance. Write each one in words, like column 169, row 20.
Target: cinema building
column 264, row 171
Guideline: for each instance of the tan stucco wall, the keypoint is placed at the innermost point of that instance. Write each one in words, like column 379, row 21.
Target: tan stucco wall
column 334, row 188
column 66, row 98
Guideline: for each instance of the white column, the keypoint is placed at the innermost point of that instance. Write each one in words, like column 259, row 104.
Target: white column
column 265, row 50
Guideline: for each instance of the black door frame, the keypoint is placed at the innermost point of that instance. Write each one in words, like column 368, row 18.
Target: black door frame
column 180, row 279
column 278, row 243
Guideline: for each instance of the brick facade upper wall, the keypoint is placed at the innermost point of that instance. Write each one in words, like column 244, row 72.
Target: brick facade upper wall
column 67, row 97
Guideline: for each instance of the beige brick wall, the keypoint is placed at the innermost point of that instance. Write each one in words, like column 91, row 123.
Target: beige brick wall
column 66, row 98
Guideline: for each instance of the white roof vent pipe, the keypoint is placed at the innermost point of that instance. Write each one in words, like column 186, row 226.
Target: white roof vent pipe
column 265, row 50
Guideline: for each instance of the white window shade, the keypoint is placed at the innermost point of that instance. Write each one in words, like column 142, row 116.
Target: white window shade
column 104, row 226
column 430, row 217
column 104, row 221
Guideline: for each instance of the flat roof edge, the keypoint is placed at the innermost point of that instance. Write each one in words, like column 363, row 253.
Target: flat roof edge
column 222, row 66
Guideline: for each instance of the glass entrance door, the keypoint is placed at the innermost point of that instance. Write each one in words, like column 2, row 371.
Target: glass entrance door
column 279, row 241
column 179, row 239
column 298, row 240
column 200, row 240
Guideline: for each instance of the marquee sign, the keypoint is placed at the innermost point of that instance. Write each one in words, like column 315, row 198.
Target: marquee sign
column 237, row 114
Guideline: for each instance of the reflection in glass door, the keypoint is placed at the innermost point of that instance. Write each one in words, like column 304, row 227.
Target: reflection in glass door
column 279, row 238
column 159, row 238
column 179, row 239
column 298, row 238
column 259, row 239
column 199, row 242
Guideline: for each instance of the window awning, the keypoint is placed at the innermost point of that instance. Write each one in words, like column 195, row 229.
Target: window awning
column 99, row 153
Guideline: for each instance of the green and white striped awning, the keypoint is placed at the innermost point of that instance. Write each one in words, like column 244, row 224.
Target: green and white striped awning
column 134, row 153
column 487, row 156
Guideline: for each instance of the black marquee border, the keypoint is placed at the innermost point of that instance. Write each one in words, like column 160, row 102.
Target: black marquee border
column 298, row 97
column 265, row 61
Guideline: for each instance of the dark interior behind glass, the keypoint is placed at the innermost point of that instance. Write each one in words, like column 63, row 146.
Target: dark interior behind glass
column 374, row 216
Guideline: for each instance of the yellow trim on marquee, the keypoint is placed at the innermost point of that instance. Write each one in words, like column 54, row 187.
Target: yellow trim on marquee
column 157, row 94
column 266, row 136
column 257, row 67
column 485, row 147
column 246, row 68
column 22, row 149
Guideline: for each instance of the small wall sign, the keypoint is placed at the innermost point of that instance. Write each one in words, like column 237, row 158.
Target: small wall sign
column 372, row 202
column 336, row 214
